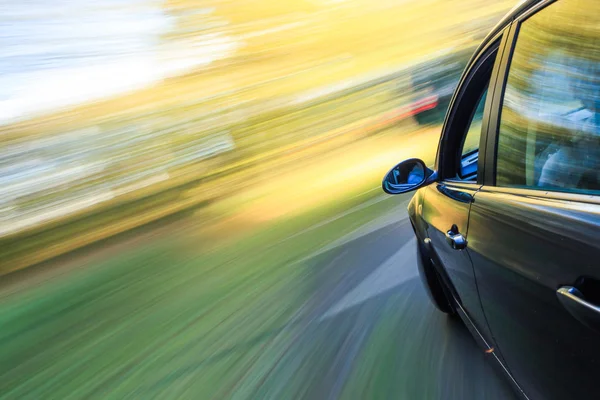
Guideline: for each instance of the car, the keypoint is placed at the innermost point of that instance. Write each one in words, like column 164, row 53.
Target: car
column 433, row 83
column 507, row 219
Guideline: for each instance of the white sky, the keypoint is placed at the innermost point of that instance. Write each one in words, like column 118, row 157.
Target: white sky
column 64, row 52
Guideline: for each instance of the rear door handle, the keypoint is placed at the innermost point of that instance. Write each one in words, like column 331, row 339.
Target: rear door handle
column 574, row 302
column 455, row 239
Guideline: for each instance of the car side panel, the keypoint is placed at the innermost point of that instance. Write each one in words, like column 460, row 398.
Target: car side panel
column 448, row 204
column 524, row 247
column 415, row 208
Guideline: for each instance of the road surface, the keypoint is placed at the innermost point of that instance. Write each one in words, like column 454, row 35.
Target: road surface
column 371, row 331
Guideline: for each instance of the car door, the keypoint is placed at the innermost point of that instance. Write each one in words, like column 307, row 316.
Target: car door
column 534, row 227
column 447, row 203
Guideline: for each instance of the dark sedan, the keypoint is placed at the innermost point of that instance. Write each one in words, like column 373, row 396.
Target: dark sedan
column 508, row 218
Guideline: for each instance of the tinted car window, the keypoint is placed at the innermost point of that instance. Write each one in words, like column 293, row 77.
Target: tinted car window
column 549, row 135
column 471, row 142
column 470, row 147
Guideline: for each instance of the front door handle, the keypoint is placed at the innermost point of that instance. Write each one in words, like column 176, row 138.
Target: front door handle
column 573, row 300
column 455, row 239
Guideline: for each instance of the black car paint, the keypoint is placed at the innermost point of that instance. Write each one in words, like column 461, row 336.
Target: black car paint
column 445, row 205
column 523, row 245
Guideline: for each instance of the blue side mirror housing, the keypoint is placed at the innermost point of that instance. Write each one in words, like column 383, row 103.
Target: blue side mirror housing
column 407, row 176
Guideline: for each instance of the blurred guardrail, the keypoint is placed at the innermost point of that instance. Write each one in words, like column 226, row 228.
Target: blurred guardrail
column 62, row 191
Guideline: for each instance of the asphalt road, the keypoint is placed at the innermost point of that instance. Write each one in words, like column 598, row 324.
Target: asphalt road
column 371, row 331
column 362, row 328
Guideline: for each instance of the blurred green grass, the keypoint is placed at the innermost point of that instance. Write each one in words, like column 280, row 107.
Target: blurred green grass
column 148, row 319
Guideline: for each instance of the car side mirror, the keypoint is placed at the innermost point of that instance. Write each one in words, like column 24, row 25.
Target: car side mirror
column 409, row 175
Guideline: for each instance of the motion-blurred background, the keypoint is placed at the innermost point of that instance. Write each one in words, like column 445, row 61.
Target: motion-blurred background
column 189, row 197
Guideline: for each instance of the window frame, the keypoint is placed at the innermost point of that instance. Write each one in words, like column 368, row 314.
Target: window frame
column 489, row 174
column 491, row 150
column 450, row 141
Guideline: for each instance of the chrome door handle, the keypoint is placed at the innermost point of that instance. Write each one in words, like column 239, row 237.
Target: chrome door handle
column 455, row 239
column 576, row 304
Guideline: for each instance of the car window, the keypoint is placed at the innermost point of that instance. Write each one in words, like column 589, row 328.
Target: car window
column 470, row 146
column 471, row 142
column 549, row 134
